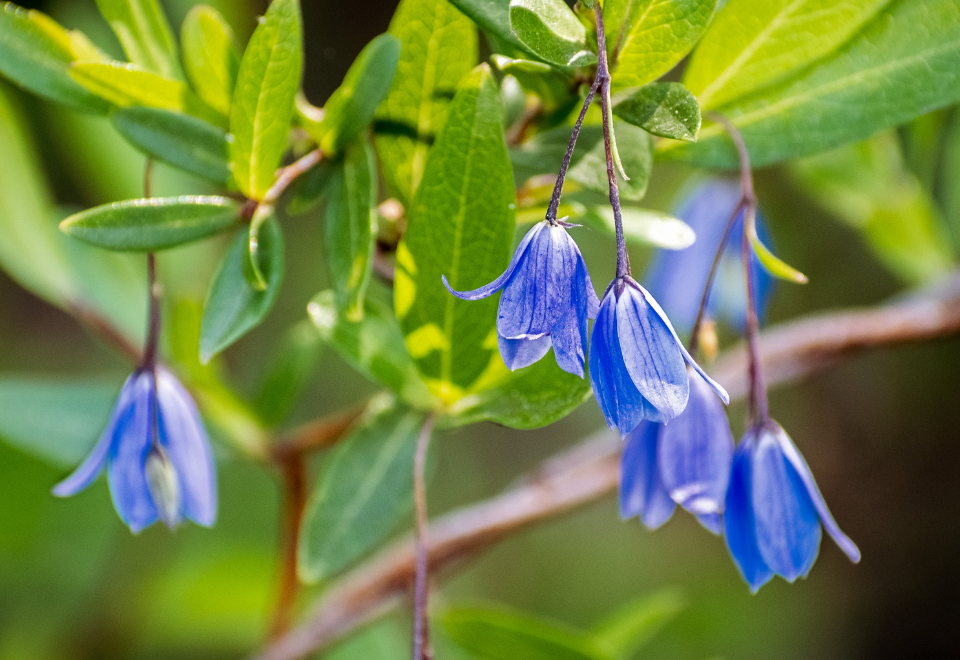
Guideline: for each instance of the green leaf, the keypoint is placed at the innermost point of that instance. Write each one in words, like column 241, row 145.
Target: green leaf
column 642, row 227
column 868, row 186
column 210, row 56
column 493, row 16
column 654, row 35
column 590, row 170
column 439, row 47
column 499, row 634
column 461, row 226
column 665, row 109
column 752, row 44
column 551, row 30
column 364, row 492
column 774, row 265
column 149, row 225
column 35, row 53
column 351, row 107
column 552, row 86
column 145, row 35
column 350, row 222
column 55, row 421
column 263, row 100
column 912, row 47
column 183, row 141
column 126, row 84
column 289, row 372
column 630, row 628
column 373, row 346
column 233, row 307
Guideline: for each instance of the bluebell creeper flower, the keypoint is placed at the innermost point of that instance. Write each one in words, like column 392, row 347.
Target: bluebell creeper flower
column 676, row 278
column 774, row 510
column 547, row 298
column 157, row 455
column 637, row 362
column 685, row 462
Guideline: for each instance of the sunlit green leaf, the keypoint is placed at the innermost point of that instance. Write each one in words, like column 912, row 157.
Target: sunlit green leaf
column 438, row 48
column 493, row 16
column 35, row 53
column 289, row 372
column 642, row 227
column 183, row 141
column 653, row 35
column 551, row 30
column 145, row 35
column 262, row 107
column 233, row 307
column 210, row 56
column 351, row 107
column 913, row 47
column 754, row 43
column 364, row 492
column 590, row 170
column 664, row 109
column 157, row 223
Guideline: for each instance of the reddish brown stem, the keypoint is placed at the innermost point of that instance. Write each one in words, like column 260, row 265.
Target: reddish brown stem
column 294, row 481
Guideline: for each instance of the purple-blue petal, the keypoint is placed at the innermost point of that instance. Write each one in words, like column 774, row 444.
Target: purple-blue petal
column 520, row 353
column 569, row 332
column 185, row 440
column 651, row 353
column 128, row 483
column 802, row 471
column 93, row 464
column 787, row 524
column 696, row 453
column 739, row 529
column 497, row 284
column 642, row 493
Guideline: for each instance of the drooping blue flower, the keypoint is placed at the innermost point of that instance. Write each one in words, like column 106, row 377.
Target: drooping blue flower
column 637, row 362
column 546, row 300
column 686, row 462
column 157, row 455
column 677, row 277
column 774, row 510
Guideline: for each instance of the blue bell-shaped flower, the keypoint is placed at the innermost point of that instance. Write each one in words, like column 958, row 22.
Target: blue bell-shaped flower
column 547, row 298
column 774, row 510
column 637, row 362
column 158, row 457
column 686, row 462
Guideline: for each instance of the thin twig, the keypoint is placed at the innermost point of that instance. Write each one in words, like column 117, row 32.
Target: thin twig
column 318, row 434
column 590, row 471
column 421, row 630
column 289, row 174
column 294, row 481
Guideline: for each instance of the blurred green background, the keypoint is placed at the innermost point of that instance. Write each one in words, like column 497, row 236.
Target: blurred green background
column 880, row 431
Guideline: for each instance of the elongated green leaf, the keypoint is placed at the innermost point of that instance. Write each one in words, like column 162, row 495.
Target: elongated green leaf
column 56, row 421
column 642, row 227
column 35, row 53
column 913, row 47
column 867, row 186
column 148, row 225
column 590, row 170
column 145, row 35
column 438, row 48
column 373, row 346
column 664, row 109
column 552, row 31
column 754, row 43
column 630, row 628
column 233, row 307
column 351, row 218
column 351, row 107
column 366, row 489
column 210, row 56
column 498, row 634
column 493, row 16
column 267, row 85
column 126, row 84
column 460, row 225
column 654, row 35
column 183, row 141
column 289, row 372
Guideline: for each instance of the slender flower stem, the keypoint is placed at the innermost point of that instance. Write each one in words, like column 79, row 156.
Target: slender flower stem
column 759, row 408
column 421, row 632
column 603, row 77
column 558, row 187
column 153, row 288
column 294, row 479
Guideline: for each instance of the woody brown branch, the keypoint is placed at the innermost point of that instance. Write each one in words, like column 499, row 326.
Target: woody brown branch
column 590, row 470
